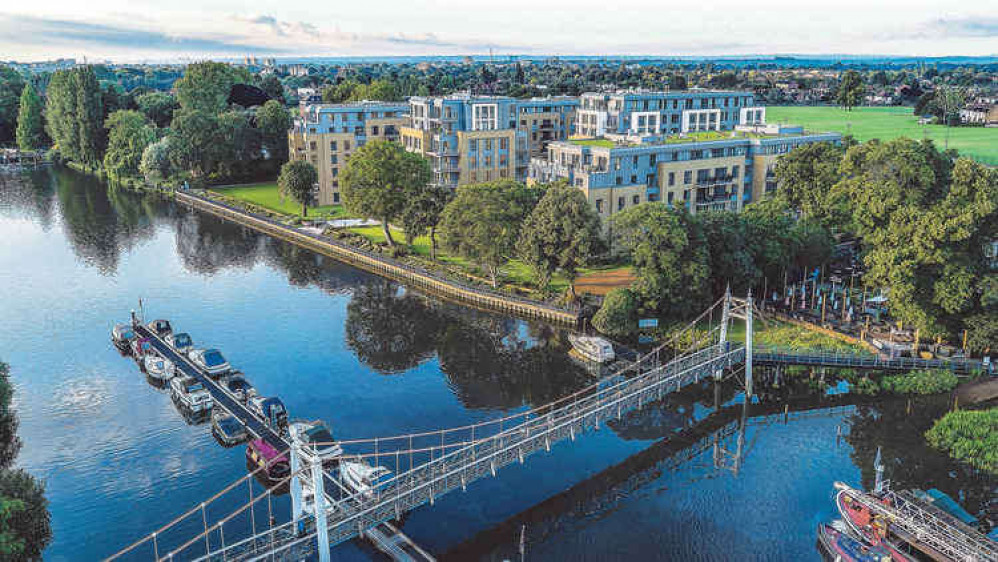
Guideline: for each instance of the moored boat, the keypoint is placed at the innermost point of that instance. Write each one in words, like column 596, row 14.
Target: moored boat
column 122, row 336
column 315, row 438
column 839, row 546
column 869, row 526
column 158, row 368
column 181, row 342
column 160, row 327
column 227, row 429
column 190, row 394
column 239, row 387
column 141, row 347
column 274, row 464
column 362, row 478
column 592, row 348
column 210, row 361
column 272, row 410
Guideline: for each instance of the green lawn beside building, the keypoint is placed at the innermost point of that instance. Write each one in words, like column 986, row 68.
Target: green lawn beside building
column 886, row 123
column 268, row 196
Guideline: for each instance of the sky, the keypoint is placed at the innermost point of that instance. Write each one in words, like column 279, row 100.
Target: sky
column 155, row 30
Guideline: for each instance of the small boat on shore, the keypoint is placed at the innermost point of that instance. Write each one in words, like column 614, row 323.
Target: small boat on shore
column 592, row 348
column 158, row 368
column 261, row 454
column 190, row 394
column 227, row 429
column 181, row 342
column 122, row 336
column 161, row 328
column 362, row 478
column 839, row 546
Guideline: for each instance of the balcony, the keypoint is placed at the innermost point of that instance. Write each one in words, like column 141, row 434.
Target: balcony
column 715, row 180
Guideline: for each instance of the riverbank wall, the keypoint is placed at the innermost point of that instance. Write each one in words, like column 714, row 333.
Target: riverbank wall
column 379, row 265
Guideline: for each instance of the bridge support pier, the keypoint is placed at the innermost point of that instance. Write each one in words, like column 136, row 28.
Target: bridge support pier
column 725, row 319
column 296, row 495
column 321, row 527
column 748, row 346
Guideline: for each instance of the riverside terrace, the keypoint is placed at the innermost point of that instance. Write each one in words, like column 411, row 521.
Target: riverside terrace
column 707, row 170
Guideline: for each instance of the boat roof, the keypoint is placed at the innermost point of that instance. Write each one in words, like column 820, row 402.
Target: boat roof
column 181, row 336
column 238, row 383
column 271, row 402
column 319, row 434
column 265, row 449
column 213, row 358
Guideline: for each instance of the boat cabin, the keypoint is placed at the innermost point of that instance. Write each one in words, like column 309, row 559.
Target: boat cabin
column 262, row 455
column 273, row 412
column 240, row 388
column 140, row 347
column 160, row 327
column 181, row 341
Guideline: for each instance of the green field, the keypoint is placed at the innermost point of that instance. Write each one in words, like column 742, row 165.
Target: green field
column 267, row 195
column 886, row 123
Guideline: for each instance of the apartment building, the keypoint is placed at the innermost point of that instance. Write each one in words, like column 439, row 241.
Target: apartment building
column 665, row 113
column 327, row 134
column 473, row 139
column 713, row 170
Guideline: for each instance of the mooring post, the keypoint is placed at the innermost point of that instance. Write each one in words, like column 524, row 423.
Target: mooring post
column 748, row 346
column 321, row 530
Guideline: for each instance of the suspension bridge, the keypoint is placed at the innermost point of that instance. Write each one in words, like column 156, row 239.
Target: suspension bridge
column 326, row 511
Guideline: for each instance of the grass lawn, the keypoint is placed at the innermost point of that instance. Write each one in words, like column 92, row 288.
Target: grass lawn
column 784, row 334
column 593, row 142
column 268, row 196
column 886, row 123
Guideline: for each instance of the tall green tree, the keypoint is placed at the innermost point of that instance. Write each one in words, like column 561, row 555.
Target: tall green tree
column 129, row 133
column 11, row 84
column 60, row 112
column 851, row 90
column 669, row 253
column 158, row 107
column 195, row 143
column 25, row 523
column 273, row 120
column 806, row 178
column 770, row 230
column 423, row 211
column 618, row 316
column 561, row 232
column 155, row 165
column 379, row 179
column 30, row 121
column 482, row 224
column 89, row 116
column 297, row 181
column 730, row 252
column 206, row 85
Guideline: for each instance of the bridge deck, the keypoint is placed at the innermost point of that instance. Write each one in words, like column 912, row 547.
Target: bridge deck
column 863, row 361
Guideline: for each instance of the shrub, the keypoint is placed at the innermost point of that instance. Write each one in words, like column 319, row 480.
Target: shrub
column 969, row 436
column 933, row 381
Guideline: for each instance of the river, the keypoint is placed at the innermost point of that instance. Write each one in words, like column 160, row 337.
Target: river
column 372, row 358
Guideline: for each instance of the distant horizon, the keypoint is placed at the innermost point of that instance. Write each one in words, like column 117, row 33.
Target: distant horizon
column 512, row 57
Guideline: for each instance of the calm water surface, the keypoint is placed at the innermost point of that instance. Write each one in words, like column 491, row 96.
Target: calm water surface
column 371, row 358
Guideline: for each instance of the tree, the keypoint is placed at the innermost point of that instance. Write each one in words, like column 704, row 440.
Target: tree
column 30, row 122
column 982, row 333
column 129, row 133
column 423, row 211
column 11, row 86
column 851, row 90
column 730, row 252
column 769, row 227
column 618, row 316
column 561, row 232
column 482, row 222
column 89, row 116
column 297, row 181
column 205, row 86
column 155, row 165
column 25, row 523
column 158, row 107
column 379, row 179
column 273, row 120
column 271, row 84
column 806, row 178
column 238, row 143
column 60, row 109
column 195, row 145
column 668, row 250
column 339, row 93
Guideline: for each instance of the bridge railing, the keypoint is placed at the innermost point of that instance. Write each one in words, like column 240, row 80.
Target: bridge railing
column 485, row 457
column 863, row 360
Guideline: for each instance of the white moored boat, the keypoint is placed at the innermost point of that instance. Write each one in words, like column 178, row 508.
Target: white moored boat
column 158, row 368
column 190, row 394
column 592, row 348
column 362, row 478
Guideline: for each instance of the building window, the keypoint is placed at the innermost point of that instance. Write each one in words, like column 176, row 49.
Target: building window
column 734, row 171
column 336, row 172
column 374, row 130
column 670, row 198
column 332, row 159
column 620, row 203
column 634, row 179
column 599, row 206
column 687, row 176
column 636, row 199
column 619, row 180
column 346, row 145
column 332, row 146
column 504, row 144
column 312, row 145
column 484, row 117
column 336, row 197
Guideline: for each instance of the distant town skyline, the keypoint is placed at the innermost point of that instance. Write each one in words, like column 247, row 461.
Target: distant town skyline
column 146, row 30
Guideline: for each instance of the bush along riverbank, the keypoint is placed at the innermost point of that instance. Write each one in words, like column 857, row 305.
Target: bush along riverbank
column 970, row 436
column 838, row 381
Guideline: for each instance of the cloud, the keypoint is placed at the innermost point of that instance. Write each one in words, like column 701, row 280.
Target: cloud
column 964, row 27
column 70, row 34
column 279, row 27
